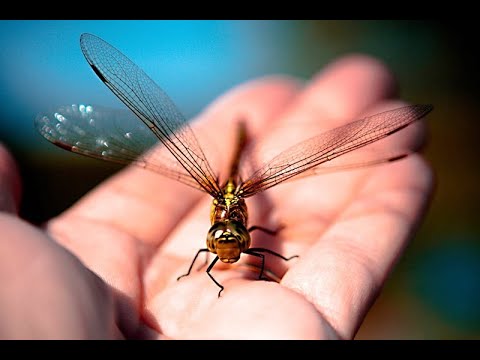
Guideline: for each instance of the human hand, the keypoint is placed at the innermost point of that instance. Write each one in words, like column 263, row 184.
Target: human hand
column 111, row 269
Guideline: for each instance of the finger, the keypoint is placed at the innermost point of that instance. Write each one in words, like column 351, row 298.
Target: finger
column 344, row 271
column 343, row 90
column 325, row 195
column 337, row 95
column 46, row 292
column 147, row 205
column 10, row 187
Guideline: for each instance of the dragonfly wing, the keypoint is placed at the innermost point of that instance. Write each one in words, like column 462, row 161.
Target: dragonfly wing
column 312, row 154
column 112, row 135
column 152, row 105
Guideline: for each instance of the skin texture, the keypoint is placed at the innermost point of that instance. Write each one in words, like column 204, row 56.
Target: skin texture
column 107, row 267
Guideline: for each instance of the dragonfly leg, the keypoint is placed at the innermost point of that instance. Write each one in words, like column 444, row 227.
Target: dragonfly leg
column 257, row 252
column 260, row 276
column 211, row 277
column 208, row 269
column 207, row 253
column 193, row 262
column 265, row 230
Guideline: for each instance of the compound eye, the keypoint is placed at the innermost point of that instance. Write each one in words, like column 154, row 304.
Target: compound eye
column 214, row 234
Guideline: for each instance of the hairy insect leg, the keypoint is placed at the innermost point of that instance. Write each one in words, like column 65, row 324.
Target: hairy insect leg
column 261, row 256
column 193, row 262
column 208, row 269
column 257, row 252
column 211, row 277
column 265, row 230
column 207, row 253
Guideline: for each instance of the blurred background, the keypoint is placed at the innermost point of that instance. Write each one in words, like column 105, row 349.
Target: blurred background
column 434, row 292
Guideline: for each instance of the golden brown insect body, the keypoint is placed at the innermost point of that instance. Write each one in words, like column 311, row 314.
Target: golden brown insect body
column 228, row 236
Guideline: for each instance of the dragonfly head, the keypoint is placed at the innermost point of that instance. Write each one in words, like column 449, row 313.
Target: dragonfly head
column 228, row 239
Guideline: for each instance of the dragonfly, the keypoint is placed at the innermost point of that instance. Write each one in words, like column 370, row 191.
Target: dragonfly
column 113, row 136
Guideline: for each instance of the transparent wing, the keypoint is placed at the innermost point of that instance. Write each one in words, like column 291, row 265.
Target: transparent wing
column 312, row 156
column 112, row 135
column 152, row 105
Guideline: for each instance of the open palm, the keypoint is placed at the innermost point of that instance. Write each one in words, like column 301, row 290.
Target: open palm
column 138, row 231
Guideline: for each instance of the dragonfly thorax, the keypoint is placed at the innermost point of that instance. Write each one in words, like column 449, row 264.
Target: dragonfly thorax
column 228, row 237
column 228, row 206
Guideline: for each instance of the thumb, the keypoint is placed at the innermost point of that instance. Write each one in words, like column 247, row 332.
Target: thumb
column 10, row 184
